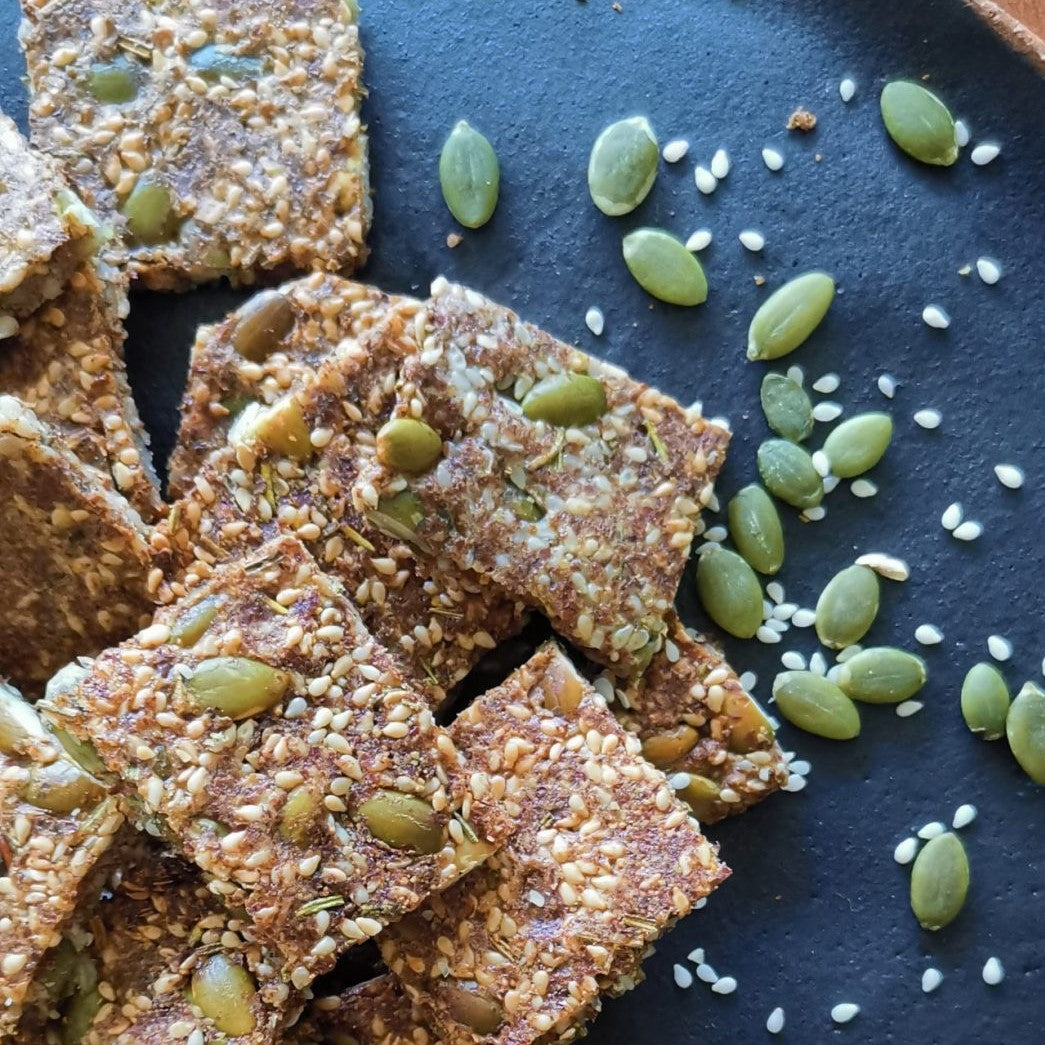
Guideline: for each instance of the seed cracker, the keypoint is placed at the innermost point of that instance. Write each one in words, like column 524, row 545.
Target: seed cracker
column 604, row 859
column 247, row 114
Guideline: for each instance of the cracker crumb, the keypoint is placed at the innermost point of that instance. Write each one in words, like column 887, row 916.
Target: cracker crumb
column 760, row 281
column 454, row 239
column 801, row 120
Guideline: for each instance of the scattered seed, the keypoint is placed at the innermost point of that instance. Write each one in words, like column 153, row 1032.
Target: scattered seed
column 906, row 851
column 821, row 463
column 989, row 270
column 882, row 675
column 961, row 133
column 985, row 700
column 595, row 320
column 716, row 534
column 775, row 590
column 777, row 625
column 752, row 240
column 858, row 444
column 939, row 880
column 963, row 816
column 705, row 973
column 816, row 705
column 789, row 315
column 999, row 647
column 846, row 89
column 730, row 592
column 803, row 618
column 725, row 985
column 952, row 516
column 785, row 610
column 700, row 240
column 793, row 660
column 844, row 1012
column 827, row 384
column 705, row 180
column 931, row 979
column 931, row 830
column 928, row 418
column 909, row 708
column 967, row 531
column 748, row 680
column 993, row 972
column 623, row 165
column 754, row 525
column 818, row 663
column 845, row 655
column 888, row 566
column 862, row 488
column 775, row 1023
column 788, row 473
column 664, row 268
column 469, row 176
column 696, row 956
column 928, row 635
column 683, row 977
column 675, row 150
column 720, row 164
column 801, row 767
column 984, row 153
column 795, row 783
column 847, row 607
column 1025, row 729
column 1009, row 475
column 796, row 374
column 767, row 635
column 773, row 159
column 934, row 316
column 919, row 123
column 887, row 385
column 787, row 407
column 827, row 412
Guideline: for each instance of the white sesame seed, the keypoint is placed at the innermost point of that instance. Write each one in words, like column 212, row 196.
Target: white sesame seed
column 796, row 374
column 999, row 647
column 928, row 635
column 965, row 270
column 993, row 972
column 777, row 625
column 909, row 708
column 963, row 816
column 720, row 164
column 888, row 566
column 536, row 898
column 775, row 590
column 818, row 663
column 931, row 830
column 863, row 488
column 989, row 270
column 952, row 516
column 699, row 240
column 748, row 680
column 967, row 531
column 848, row 652
column 767, row 635
column 793, row 660
column 696, row 956
column 961, row 133
column 795, row 783
column 716, row 534
column 1009, row 475
column 772, row 159
column 800, row 766
column 752, row 240
column 683, row 977
column 906, row 851
column 726, row 985
column 934, row 316
column 775, row 1023
column 834, row 673
column 928, row 418
column 846, row 89
column 827, row 411
column 803, row 618
column 827, row 384
column 595, row 320
column 785, row 610
column 701, row 904
column 705, row 973
column 887, row 385
column 675, row 150
column 814, row 514
column 844, row 1012
column 984, row 153
column 931, row 979
column 678, row 781
column 705, row 180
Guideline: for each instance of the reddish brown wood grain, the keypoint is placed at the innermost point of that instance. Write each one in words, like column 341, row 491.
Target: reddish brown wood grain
column 1021, row 23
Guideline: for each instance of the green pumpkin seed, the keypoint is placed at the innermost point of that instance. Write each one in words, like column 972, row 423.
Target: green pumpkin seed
column 563, row 688
column 113, row 83
column 237, row 686
column 919, row 123
column 788, row 473
column 261, row 324
column 701, row 795
column 816, row 704
column 403, row 821
column 470, row 854
column 213, row 63
column 566, row 400
column 82, row 752
column 623, row 165
column 79, row 1016
column 882, row 675
column 858, row 444
column 149, row 211
column 789, row 315
column 521, row 504
column 664, row 268
column 1025, row 728
column 939, row 881
column 754, row 525
column 787, row 407
column 191, row 626
column 464, row 1005
column 223, row 990
column 65, row 680
column 470, row 176
column 62, row 787
column 847, row 607
column 749, row 727
column 282, row 428
column 407, row 445
column 667, row 748
column 985, row 701
column 729, row 591
column 299, row 815
column 19, row 723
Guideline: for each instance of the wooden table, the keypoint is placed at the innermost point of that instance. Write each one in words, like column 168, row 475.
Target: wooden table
column 1020, row 22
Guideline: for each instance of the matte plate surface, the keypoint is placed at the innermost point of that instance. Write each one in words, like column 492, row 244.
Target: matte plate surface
column 816, row 911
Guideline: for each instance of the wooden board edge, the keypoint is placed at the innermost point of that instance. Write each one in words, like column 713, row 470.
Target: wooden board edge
column 1017, row 35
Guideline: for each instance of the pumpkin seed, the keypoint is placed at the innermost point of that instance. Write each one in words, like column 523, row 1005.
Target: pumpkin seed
column 65, row 680
column 464, row 1005
column 223, row 990
column 858, row 444
column 82, row 752
column 847, row 607
column 403, row 821
column 749, row 728
column 563, row 688
column 882, row 675
column 113, row 83
column 566, row 400
column 939, row 881
column 816, row 704
column 664, row 268
column 667, row 748
column 985, row 701
column 787, row 407
column 470, row 854
column 623, row 166
column 191, row 626
column 19, row 723
column 469, row 176
column 701, row 795
column 788, row 473
column 789, row 315
column 521, row 504
column 261, row 324
column 282, row 427
column 919, row 123
column 729, row 591
column 299, row 815
column 149, row 211
column 399, row 516
column 1025, row 728
column 754, row 525
column 62, row 787
column 407, row 445
column 213, row 64
column 237, row 686
column 79, row 1015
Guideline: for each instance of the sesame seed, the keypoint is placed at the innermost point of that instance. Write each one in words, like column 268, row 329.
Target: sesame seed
column 13, row 963
column 844, row 1012
column 827, row 411
column 906, row 851
column 749, row 680
column 931, row 979
column 988, row 270
column 801, row 767
column 705, row 180
column 772, row 159
column 963, row 816
column 779, row 626
column 594, row 320
column 793, row 660
column 775, row 1023
column 725, row 985
column 952, row 516
column 696, row 956
column 965, row 270
column 785, row 610
column 1009, row 475
column 863, row 488
column 795, row 783
column 699, row 240
column 931, row 830
column 909, row 708
column 999, row 647
column 679, row 781
column 848, row 652
column 767, row 635
column 928, row 418
column 934, row 316
column 985, row 153
column 796, row 374
column 967, row 531
column 888, row 566
column 705, row 973
column 720, row 164
column 752, row 240
column 928, row 635
column 775, row 590
column 887, row 385
column 961, row 133
column 827, row 384
column 683, row 977
column 818, row 664
column 803, row 618
column 814, row 514
column 993, row 972
column 675, row 150
column 716, row 534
